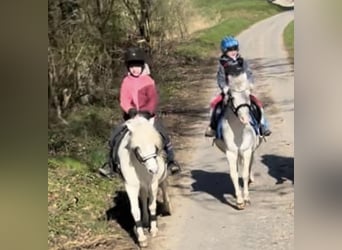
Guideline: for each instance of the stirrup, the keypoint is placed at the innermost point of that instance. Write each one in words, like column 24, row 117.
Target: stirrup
column 173, row 167
column 106, row 171
column 209, row 132
column 267, row 133
column 263, row 138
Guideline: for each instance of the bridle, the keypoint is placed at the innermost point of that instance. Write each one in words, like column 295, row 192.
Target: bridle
column 144, row 158
column 231, row 104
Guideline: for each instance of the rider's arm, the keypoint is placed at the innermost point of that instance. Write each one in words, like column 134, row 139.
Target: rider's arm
column 221, row 77
column 249, row 72
column 125, row 97
column 148, row 97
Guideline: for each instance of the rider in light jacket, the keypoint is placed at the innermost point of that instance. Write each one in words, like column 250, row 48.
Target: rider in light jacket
column 232, row 63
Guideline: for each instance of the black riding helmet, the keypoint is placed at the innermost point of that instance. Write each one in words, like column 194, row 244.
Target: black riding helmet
column 134, row 57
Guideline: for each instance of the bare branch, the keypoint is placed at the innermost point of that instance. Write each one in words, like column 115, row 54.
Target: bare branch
column 66, row 97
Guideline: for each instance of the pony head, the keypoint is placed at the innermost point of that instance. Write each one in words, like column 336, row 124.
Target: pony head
column 240, row 90
column 145, row 141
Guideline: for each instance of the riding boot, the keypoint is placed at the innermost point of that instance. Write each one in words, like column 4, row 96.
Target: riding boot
column 264, row 125
column 210, row 132
column 106, row 170
column 110, row 168
column 215, row 112
column 172, row 165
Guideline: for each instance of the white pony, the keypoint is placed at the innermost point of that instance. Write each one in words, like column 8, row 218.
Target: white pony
column 239, row 137
column 143, row 166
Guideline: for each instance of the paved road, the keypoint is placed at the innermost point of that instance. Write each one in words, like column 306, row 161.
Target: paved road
column 203, row 218
column 284, row 3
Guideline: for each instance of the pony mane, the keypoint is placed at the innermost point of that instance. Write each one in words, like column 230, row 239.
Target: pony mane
column 143, row 132
column 240, row 82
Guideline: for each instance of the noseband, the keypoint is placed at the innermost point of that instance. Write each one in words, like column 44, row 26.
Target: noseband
column 143, row 159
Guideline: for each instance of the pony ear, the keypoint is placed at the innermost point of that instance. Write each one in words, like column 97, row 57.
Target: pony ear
column 129, row 125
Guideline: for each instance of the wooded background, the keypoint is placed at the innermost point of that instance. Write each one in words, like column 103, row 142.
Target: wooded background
column 87, row 40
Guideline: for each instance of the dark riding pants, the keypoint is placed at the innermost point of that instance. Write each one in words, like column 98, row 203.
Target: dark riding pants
column 166, row 139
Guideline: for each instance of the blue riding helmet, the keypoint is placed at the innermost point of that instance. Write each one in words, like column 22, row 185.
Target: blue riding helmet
column 229, row 42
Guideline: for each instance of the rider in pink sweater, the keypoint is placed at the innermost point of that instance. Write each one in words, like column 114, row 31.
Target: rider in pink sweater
column 138, row 95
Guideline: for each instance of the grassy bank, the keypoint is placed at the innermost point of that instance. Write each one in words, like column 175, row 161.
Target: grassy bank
column 289, row 40
column 231, row 17
column 77, row 197
column 76, row 203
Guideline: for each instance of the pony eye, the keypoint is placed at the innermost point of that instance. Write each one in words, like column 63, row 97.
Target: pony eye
column 137, row 153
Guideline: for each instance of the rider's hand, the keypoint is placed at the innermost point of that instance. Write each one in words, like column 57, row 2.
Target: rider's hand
column 225, row 90
column 225, row 94
column 132, row 112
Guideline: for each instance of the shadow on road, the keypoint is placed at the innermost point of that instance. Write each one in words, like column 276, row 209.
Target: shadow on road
column 279, row 167
column 121, row 213
column 214, row 183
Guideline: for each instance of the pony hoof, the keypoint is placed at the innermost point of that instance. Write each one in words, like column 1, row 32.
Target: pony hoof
column 154, row 232
column 240, row 206
column 143, row 243
column 168, row 208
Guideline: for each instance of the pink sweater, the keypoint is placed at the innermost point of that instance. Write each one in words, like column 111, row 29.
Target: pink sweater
column 139, row 93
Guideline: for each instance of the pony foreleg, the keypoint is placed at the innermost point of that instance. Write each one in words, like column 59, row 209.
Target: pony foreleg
column 232, row 161
column 247, row 158
column 166, row 197
column 133, row 192
column 153, row 209
column 251, row 172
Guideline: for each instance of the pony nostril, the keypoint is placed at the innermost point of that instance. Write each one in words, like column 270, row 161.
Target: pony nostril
column 151, row 171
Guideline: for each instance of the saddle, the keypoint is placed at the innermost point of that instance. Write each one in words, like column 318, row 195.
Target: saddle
column 114, row 143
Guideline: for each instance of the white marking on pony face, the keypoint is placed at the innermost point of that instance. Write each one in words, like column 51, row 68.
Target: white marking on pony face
column 152, row 165
column 148, row 158
column 244, row 118
column 240, row 83
column 240, row 98
column 243, row 114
